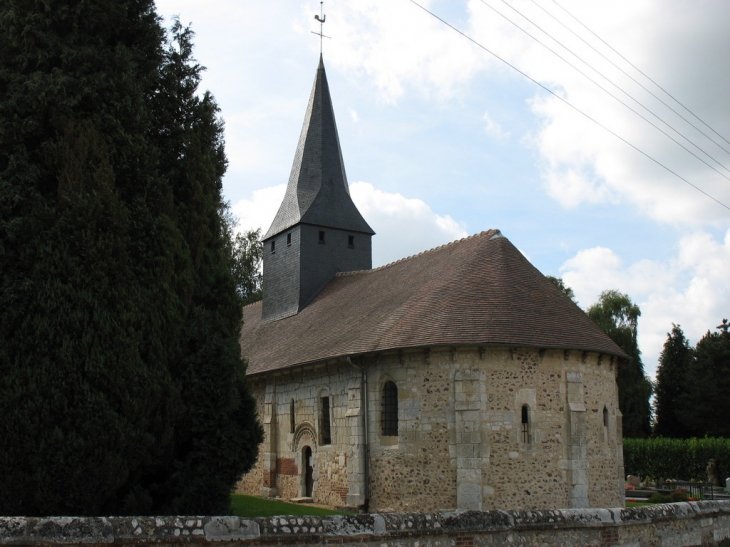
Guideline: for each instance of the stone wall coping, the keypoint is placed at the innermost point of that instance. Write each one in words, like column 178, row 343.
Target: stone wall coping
column 206, row 529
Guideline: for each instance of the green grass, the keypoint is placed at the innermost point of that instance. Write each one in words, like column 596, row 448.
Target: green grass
column 637, row 503
column 251, row 506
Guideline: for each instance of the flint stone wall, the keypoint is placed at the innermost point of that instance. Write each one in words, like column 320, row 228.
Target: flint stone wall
column 672, row 525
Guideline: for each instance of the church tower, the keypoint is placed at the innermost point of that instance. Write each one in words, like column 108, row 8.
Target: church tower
column 317, row 231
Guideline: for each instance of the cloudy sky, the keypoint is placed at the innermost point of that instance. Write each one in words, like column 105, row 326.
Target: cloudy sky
column 442, row 139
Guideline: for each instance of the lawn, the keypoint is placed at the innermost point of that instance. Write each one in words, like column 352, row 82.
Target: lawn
column 251, row 506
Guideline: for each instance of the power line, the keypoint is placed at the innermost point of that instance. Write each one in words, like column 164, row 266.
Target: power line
column 513, row 67
column 634, row 79
column 608, row 92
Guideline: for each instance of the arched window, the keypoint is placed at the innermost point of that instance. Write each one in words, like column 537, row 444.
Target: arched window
column 389, row 410
column 525, row 424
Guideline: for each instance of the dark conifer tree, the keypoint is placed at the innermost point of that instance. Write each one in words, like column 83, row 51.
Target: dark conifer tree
column 121, row 384
column 671, row 385
column 618, row 316
column 705, row 407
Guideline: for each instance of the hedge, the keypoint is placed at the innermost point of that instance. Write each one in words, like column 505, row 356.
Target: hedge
column 680, row 459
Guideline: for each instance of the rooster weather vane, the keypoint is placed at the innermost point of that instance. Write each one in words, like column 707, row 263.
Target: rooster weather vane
column 321, row 18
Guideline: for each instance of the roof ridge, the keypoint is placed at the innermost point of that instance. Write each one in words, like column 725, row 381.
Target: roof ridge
column 485, row 233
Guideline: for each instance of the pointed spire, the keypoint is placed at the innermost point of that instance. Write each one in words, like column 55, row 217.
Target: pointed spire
column 318, row 192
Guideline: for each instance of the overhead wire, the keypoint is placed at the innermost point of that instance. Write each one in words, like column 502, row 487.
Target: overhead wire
column 634, row 79
column 608, row 92
column 567, row 103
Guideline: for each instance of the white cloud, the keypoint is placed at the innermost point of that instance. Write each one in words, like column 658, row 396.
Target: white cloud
column 403, row 226
column 691, row 289
column 259, row 211
column 583, row 163
column 493, row 129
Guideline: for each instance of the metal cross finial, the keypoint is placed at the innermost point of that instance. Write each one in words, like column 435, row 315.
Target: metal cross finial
column 321, row 18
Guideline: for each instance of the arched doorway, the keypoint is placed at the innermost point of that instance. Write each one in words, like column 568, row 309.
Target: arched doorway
column 308, row 470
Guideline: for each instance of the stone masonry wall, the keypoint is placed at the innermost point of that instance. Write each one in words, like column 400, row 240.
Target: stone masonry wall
column 461, row 443
column 422, row 470
column 302, row 392
column 676, row 525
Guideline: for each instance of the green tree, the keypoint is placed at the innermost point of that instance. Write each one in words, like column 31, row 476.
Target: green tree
column 618, row 317
column 675, row 362
column 705, row 406
column 560, row 284
column 121, row 385
column 248, row 252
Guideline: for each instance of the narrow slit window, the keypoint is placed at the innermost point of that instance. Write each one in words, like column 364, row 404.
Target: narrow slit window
column 292, row 418
column 326, row 431
column 605, row 417
column 525, row 424
column 321, row 236
column 389, row 410
column 288, row 239
column 351, row 242
column 273, row 245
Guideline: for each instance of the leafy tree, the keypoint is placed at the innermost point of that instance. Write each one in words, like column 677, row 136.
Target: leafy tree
column 675, row 362
column 618, row 317
column 247, row 254
column 560, row 284
column 121, row 385
column 705, row 406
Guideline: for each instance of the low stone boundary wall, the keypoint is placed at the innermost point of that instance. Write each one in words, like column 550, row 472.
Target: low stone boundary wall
column 675, row 525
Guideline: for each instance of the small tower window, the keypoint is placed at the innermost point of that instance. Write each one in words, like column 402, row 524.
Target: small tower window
column 292, row 418
column 525, row 424
column 321, row 236
column 288, row 239
column 389, row 410
column 351, row 242
column 325, row 430
column 273, row 245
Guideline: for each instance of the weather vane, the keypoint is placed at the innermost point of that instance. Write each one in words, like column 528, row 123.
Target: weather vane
column 321, row 17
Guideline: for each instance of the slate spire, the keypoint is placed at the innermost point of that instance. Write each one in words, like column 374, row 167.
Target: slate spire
column 318, row 192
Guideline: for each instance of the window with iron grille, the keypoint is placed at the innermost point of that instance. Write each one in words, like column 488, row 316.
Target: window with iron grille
column 525, row 424
column 325, row 430
column 389, row 410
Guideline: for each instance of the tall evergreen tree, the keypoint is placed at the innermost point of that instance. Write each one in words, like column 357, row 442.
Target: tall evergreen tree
column 121, row 384
column 705, row 407
column 675, row 362
column 618, row 316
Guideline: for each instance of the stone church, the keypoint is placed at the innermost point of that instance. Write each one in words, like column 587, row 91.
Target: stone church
column 458, row 378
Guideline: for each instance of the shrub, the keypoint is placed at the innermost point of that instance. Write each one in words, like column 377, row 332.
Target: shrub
column 676, row 458
column 680, row 494
column 656, row 497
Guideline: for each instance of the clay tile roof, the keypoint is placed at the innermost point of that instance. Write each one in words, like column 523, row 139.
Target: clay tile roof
column 479, row 291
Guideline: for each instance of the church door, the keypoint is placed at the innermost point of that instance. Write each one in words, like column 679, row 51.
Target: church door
column 308, row 471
